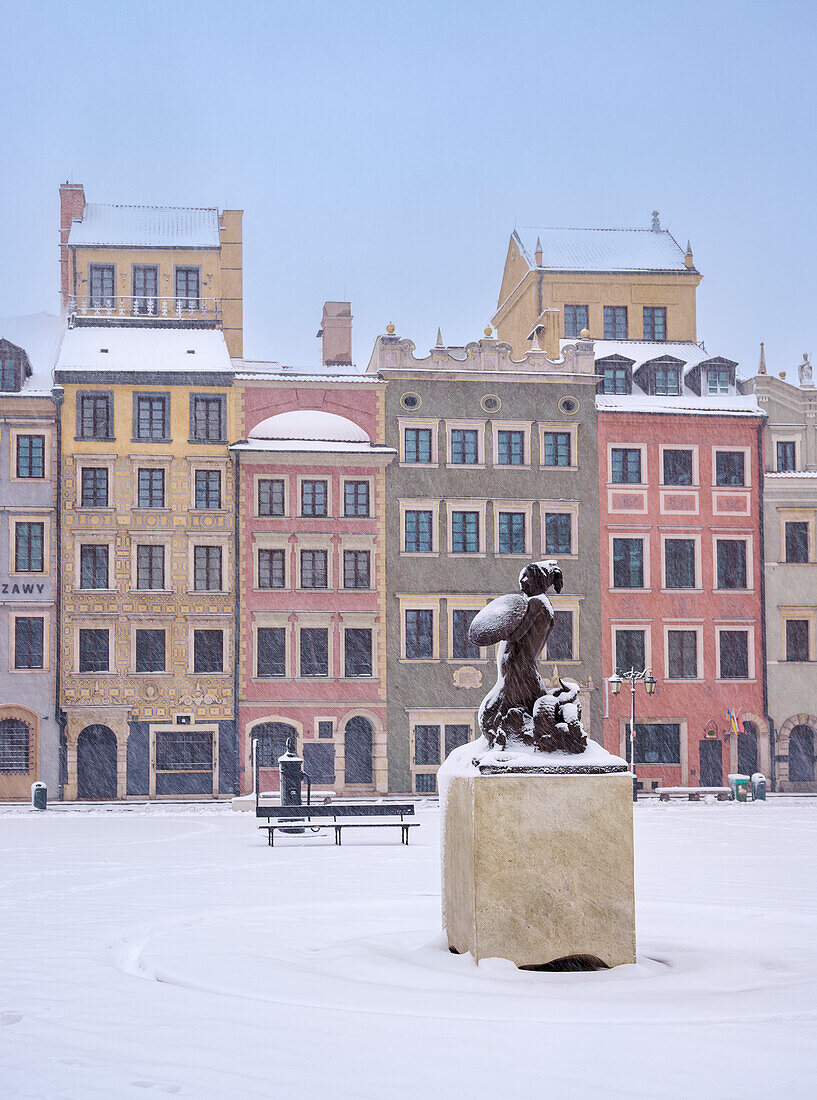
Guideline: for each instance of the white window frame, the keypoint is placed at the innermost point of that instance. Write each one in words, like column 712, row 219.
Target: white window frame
column 478, row 506
column 272, row 619
column 695, row 627
column 428, row 505
column 33, row 429
column 747, row 469
column 433, row 425
column 469, row 426
column 561, row 507
column 277, row 476
column 419, row 603
column 523, row 426
column 750, row 630
column 29, row 611
column 524, row 507
column 696, row 471
column 624, row 485
column 92, row 538
column 689, row 536
column 642, row 533
column 736, row 536
column 571, row 428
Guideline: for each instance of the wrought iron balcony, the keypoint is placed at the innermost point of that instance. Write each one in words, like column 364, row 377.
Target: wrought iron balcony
column 148, row 309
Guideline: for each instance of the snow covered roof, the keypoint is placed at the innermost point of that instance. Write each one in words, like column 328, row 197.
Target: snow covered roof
column 643, row 351
column 689, row 403
column 39, row 335
column 144, row 349
column 311, row 430
column 252, row 368
column 602, row 249
column 109, row 224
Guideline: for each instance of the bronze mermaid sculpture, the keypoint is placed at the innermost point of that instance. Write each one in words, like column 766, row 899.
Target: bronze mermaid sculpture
column 520, row 707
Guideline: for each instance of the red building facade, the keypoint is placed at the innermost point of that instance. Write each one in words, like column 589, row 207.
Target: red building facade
column 682, row 575
column 311, row 485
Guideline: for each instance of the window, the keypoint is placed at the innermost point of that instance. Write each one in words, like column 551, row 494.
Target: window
column 93, row 566
column 626, row 465
column 313, row 569
column 207, row 568
column 615, row 378
column 786, row 459
column 797, row 639
column 271, row 568
column 356, row 569
column 731, row 554
column 628, row 563
column 657, row 743
column 575, row 320
column 9, row 375
column 314, row 651
column 655, row 323
column 93, row 650
column 667, row 381
column 425, row 783
column 560, row 642
column 94, row 493
column 417, row 445
column 512, row 533
column 356, row 498
column 464, row 446
column 95, row 415
column 630, row 650
column 15, row 753
column 734, row 654
column 418, row 532
column 558, row 533
column 357, row 652
column 102, row 280
column 208, row 651
column 677, row 467
column 615, row 322
column 208, row 490
column 462, row 648
column 556, row 449
column 29, row 547
column 729, row 468
column 208, row 418
column 326, row 730
column 319, row 762
column 271, row 497
column 187, row 288
column 679, row 563
column 150, row 566
column 419, row 634
column 271, row 658
column 717, row 380
column 510, row 448
column 682, row 655
column 150, row 651
column 151, row 416
column 465, row 532
column 30, row 456
column 145, row 288
column 797, row 542
column 314, row 498
column 28, row 642
column 151, row 488
column 427, row 745
column 178, row 751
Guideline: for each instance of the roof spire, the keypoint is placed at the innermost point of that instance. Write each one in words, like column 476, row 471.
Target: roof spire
column 439, row 339
column 655, row 225
column 537, row 255
column 536, row 346
column 762, row 368
column 688, row 260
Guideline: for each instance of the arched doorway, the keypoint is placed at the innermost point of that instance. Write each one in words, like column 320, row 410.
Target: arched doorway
column 96, row 763
column 747, row 749
column 16, row 758
column 271, row 740
column 359, row 738
column 801, row 755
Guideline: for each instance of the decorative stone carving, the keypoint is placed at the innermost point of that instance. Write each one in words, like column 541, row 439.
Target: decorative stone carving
column 467, row 677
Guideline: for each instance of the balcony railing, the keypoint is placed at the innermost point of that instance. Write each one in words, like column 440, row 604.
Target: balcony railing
column 148, row 308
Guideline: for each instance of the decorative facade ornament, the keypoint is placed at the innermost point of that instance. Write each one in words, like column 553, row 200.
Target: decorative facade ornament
column 198, row 698
column 804, row 372
column 467, row 677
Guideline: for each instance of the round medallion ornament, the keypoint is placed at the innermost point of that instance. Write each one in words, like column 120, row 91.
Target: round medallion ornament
column 411, row 401
column 491, row 403
column 569, row 405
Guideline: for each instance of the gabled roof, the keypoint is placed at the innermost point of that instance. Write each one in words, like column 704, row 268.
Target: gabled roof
column 39, row 335
column 109, row 224
column 602, row 249
column 644, row 351
column 148, row 350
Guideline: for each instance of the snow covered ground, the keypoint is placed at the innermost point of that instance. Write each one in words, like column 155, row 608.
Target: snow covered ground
column 164, row 951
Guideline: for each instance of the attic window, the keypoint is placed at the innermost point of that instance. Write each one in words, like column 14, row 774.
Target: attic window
column 104, row 351
column 191, row 351
column 9, row 373
column 668, row 381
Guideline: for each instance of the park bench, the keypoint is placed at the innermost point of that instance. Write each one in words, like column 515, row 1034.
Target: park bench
column 317, row 817
column 694, row 794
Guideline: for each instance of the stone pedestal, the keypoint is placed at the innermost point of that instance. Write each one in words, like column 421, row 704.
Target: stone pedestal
column 538, row 868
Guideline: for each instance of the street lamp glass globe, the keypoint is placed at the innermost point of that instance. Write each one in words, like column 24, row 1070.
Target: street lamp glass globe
column 615, row 683
column 649, row 684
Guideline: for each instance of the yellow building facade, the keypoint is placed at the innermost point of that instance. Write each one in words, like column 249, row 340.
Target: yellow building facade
column 623, row 284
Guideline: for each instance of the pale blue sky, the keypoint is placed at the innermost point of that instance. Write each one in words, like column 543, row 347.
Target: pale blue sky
column 384, row 151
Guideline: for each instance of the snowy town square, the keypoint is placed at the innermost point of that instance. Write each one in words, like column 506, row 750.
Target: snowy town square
column 165, row 949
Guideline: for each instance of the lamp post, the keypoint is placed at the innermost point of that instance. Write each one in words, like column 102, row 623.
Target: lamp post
column 633, row 677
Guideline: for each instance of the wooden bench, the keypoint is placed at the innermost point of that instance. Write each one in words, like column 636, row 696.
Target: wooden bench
column 694, row 794
column 316, row 817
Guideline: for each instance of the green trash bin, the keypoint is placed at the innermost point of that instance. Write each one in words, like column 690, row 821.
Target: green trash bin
column 740, row 787
column 758, row 787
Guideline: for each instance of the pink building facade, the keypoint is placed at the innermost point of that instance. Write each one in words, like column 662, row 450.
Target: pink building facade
column 310, row 529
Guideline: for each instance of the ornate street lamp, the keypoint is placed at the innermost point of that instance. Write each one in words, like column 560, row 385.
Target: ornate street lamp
column 633, row 677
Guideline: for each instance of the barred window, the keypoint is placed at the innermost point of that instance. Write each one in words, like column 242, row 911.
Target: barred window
column 356, row 498
column 271, row 497
column 15, row 747
column 29, row 552
column 356, row 569
column 151, row 488
column 271, row 568
column 150, row 566
column 314, row 498
column 94, row 487
column 31, row 456
column 208, row 490
column 29, row 642
column 184, row 752
column 207, row 568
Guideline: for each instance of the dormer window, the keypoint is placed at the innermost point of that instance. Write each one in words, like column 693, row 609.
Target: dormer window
column 14, row 367
column 717, row 380
column 668, row 381
column 614, row 375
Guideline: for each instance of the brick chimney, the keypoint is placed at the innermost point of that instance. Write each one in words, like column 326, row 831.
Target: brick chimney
column 72, row 205
column 336, row 334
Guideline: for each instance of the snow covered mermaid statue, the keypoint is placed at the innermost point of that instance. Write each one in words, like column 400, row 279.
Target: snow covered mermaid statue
column 520, row 707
